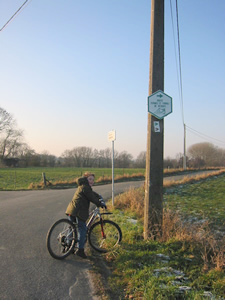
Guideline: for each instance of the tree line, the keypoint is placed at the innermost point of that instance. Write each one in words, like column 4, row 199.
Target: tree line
column 14, row 152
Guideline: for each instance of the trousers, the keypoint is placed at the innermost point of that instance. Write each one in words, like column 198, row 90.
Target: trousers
column 82, row 231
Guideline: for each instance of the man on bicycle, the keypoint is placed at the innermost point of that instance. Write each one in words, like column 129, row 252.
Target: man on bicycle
column 79, row 208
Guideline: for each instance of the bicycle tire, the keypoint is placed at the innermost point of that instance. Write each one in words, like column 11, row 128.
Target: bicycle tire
column 113, row 236
column 60, row 242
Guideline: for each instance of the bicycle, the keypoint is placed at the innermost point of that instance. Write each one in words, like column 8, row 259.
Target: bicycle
column 103, row 235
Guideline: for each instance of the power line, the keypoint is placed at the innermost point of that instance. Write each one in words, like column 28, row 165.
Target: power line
column 202, row 135
column 179, row 56
column 14, row 15
column 179, row 69
column 181, row 85
column 178, row 80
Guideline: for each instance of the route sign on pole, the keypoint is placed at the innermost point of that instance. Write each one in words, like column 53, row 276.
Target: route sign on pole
column 159, row 104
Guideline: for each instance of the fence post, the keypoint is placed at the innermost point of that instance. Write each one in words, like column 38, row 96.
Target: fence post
column 44, row 178
column 15, row 181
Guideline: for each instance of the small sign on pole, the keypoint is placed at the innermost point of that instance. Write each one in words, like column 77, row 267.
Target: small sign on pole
column 159, row 104
column 112, row 135
column 112, row 138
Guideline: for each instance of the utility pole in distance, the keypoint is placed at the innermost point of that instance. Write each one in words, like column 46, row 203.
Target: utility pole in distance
column 185, row 157
column 153, row 210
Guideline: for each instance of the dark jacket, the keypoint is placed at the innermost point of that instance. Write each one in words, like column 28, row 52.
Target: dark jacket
column 79, row 206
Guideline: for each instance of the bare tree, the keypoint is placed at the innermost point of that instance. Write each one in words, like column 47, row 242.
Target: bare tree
column 141, row 160
column 123, row 160
column 6, row 120
column 105, row 158
column 66, row 159
column 10, row 137
column 206, row 154
column 79, row 157
column 46, row 159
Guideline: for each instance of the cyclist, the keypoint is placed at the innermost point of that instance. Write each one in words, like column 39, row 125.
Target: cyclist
column 79, row 208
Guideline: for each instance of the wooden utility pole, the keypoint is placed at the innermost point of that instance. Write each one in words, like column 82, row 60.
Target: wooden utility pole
column 153, row 210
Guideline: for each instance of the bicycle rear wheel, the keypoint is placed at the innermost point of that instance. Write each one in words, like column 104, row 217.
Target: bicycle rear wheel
column 104, row 235
column 61, row 239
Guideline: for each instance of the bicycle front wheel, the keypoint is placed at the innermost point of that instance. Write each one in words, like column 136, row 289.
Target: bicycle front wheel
column 61, row 239
column 104, row 235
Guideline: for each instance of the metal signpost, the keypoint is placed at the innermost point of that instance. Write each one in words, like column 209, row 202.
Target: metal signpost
column 112, row 138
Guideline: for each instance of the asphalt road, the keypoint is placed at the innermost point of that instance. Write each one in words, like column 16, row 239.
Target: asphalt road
column 27, row 271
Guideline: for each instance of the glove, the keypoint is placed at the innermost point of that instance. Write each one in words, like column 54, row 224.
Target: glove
column 102, row 204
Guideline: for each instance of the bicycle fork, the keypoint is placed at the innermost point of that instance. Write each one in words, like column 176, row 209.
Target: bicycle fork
column 102, row 230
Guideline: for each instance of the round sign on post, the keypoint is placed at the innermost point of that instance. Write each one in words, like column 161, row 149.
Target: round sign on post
column 159, row 104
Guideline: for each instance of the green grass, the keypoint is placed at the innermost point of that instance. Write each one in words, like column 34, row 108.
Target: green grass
column 21, row 178
column 204, row 200
column 31, row 178
column 192, row 258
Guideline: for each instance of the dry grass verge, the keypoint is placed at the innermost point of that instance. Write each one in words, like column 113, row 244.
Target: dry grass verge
column 191, row 179
column 174, row 226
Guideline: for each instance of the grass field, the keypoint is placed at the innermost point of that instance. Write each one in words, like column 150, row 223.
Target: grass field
column 31, row 178
column 23, row 178
column 187, row 262
column 201, row 201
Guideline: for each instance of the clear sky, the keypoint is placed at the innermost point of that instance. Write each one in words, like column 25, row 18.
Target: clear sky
column 71, row 71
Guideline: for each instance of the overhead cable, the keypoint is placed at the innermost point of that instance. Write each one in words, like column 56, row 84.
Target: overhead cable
column 202, row 135
column 179, row 55
column 13, row 16
column 174, row 40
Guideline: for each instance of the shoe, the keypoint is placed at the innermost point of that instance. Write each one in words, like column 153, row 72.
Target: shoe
column 80, row 252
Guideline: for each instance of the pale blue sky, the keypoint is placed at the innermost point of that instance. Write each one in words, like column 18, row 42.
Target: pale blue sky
column 71, row 71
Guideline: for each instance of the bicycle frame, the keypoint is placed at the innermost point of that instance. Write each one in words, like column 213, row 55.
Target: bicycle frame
column 94, row 214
